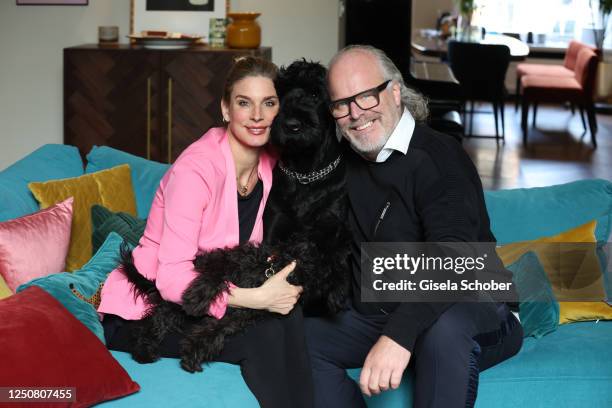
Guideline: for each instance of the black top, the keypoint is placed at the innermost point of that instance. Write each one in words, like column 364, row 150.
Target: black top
column 247, row 211
column 433, row 194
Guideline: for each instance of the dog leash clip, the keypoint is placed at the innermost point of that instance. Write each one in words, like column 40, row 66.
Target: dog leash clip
column 269, row 272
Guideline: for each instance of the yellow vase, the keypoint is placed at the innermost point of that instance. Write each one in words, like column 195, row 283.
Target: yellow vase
column 243, row 31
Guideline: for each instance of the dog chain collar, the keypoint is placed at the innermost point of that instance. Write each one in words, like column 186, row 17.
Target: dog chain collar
column 312, row 176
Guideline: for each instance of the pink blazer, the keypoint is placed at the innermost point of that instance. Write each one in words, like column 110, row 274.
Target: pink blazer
column 195, row 208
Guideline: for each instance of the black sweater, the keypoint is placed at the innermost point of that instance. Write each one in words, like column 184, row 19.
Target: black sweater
column 434, row 194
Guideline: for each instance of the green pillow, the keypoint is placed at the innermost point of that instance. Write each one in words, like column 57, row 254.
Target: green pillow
column 538, row 307
column 86, row 281
column 105, row 221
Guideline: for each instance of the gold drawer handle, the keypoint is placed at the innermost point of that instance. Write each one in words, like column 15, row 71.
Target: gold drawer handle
column 149, row 118
column 169, row 120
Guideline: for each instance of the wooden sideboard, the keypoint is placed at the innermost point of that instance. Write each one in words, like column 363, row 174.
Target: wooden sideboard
column 151, row 103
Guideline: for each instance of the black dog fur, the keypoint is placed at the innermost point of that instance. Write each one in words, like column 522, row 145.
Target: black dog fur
column 303, row 221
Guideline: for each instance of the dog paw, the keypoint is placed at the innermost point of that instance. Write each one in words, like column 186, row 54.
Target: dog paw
column 144, row 358
column 191, row 366
column 145, row 352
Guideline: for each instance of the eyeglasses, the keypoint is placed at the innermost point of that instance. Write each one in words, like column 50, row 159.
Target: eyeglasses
column 365, row 100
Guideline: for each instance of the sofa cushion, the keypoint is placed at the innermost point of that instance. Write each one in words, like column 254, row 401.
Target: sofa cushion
column 111, row 188
column 4, row 289
column 538, row 308
column 48, row 347
column 575, row 268
column 146, row 174
column 165, row 384
column 71, row 288
column 571, row 312
column 526, row 214
column 105, row 221
column 49, row 162
column 35, row 245
column 570, row 261
column 567, row 368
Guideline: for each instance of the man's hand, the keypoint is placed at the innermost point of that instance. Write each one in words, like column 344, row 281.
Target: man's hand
column 383, row 367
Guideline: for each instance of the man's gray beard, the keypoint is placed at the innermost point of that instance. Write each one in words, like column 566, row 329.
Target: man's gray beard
column 368, row 150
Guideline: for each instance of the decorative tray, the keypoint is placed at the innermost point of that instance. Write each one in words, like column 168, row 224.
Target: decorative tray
column 162, row 40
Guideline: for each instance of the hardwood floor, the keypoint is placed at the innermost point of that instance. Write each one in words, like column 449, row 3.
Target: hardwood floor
column 558, row 151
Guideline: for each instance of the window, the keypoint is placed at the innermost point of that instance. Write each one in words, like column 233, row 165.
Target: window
column 559, row 20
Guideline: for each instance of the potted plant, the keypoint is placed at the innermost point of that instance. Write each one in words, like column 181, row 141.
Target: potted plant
column 466, row 12
column 603, row 10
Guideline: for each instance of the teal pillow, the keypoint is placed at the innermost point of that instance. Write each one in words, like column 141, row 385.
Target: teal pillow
column 146, row 174
column 105, row 221
column 538, row 307
column 86, row 281
column 49, row 162
column 531, row 213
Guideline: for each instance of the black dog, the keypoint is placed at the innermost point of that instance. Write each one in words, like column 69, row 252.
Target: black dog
column 308, row 202
column 304, row 220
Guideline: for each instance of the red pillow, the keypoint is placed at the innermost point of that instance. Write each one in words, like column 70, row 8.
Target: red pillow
column 43, row 345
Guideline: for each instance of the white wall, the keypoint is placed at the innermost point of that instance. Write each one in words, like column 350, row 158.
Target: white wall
column 426, row 12
column 296, row 28
column 31, row 43
column 32, row 39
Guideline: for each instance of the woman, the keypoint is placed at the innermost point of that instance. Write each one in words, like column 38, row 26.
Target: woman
column 212, row 197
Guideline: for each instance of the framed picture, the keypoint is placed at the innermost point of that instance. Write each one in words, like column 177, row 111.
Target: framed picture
column 184, row 16
column 52, row 2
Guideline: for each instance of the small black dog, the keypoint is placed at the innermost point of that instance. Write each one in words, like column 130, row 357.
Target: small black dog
column 304, row 220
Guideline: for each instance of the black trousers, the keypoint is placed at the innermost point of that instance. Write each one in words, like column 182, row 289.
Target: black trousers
column 447, row 358
column 272, row 357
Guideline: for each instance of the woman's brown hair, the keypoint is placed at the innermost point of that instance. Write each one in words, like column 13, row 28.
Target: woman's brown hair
column 247, row 66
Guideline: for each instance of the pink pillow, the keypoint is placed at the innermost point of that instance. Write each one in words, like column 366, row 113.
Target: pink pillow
column 35, row 245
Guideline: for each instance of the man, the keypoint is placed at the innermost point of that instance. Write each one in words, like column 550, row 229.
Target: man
column 406, row 183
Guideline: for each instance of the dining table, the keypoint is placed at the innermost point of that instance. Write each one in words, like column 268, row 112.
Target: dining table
column 431, row 43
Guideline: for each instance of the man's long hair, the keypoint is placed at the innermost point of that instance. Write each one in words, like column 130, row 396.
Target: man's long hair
column 411, row 99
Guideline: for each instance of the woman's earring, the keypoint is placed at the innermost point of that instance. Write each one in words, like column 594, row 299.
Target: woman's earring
column 225, row 120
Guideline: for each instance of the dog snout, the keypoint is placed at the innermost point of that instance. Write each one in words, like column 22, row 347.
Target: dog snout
column 292, row 125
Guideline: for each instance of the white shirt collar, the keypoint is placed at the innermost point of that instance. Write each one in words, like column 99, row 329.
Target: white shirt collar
column 400, row 137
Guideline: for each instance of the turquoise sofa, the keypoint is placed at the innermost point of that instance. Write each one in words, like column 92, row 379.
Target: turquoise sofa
column 570, row 367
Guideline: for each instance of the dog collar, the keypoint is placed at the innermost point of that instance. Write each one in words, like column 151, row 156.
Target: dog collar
column 312, row 176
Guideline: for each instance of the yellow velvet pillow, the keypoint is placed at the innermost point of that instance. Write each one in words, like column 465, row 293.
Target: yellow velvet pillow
column 573, row 270
column 4, row 289
column 580, row 311
column 111, row 188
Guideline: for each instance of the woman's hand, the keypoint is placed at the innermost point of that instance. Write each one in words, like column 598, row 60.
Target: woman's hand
column 275, row 295
column 278, row 295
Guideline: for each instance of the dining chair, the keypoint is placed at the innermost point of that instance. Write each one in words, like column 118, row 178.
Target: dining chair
column 564, row 71
column 481, row 71
column 577, row 90
column 436, row 82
